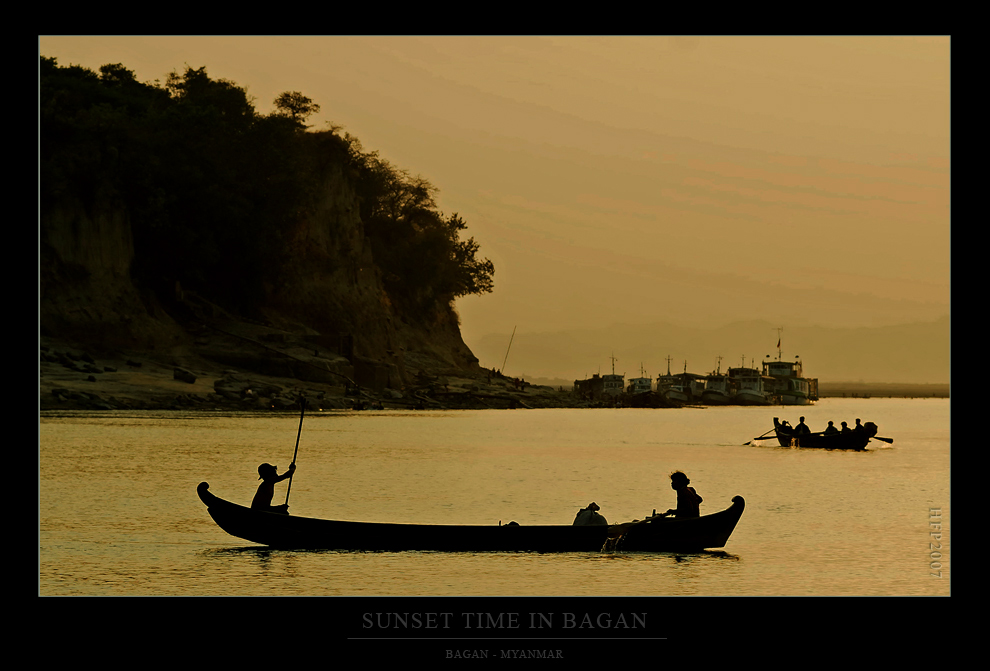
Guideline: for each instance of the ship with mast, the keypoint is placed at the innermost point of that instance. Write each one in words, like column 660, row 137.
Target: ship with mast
column 675, row 388
column 640, row 385
column 750, row 386
column 717, row 388
column 790, row 387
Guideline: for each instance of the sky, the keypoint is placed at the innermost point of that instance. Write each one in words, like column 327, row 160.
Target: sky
column 686, row 180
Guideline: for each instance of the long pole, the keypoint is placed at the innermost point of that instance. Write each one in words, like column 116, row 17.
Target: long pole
column 302, row 401
column 507, row 350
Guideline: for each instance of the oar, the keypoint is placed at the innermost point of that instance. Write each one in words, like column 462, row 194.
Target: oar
column 886, row 440
column 302, row 401
column 763, row 438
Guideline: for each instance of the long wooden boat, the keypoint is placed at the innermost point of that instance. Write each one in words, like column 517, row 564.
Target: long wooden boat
column 851, row 440
column 307, row 533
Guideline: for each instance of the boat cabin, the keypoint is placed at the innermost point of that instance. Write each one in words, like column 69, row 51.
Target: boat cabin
column 640, row 385
column 613, row 384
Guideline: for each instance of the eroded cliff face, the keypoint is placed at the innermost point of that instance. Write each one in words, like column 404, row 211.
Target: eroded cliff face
column 86, row 292
column 332, row 293
column 336, row 288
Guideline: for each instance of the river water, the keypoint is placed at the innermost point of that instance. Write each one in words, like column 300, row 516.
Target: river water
column 119, row 514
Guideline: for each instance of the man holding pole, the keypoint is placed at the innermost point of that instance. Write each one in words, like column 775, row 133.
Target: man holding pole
column 269, row 476
column 266, row 490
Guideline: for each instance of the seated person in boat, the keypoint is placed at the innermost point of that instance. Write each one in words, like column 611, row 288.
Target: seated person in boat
column 688, row 500
column 801, row 428
column 859, row 428
column 845, row 428
column 589, row 516
column 266, row 490
column 830, row 429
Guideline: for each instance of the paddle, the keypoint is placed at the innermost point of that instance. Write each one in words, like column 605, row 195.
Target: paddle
column 763, row 437
column 886, row 440
column 302, row 402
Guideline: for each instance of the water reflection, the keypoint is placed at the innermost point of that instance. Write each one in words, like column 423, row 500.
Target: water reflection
column 678, row 557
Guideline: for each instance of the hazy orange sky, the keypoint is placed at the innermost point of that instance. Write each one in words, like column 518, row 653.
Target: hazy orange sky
column 633, row 180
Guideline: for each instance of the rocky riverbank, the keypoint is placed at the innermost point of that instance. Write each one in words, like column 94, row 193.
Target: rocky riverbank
column 75, row 379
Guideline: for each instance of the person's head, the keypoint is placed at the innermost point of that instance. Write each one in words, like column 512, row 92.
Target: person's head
column 830, row 422
column 266, row 471
column 802, row 419
column 678, row 480
column 844, row 424
column 858, row 420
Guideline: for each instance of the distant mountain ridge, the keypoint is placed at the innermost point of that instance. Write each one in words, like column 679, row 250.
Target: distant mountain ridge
column 914, row 353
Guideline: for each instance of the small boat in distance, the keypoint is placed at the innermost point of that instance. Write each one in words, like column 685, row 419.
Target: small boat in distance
column 654, row 534
column 855, row 439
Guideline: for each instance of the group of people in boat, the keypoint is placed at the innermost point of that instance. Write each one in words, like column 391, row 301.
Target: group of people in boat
column 801, row 429
column 688, row 504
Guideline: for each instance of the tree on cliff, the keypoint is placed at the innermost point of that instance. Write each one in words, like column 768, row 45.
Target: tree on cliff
column 423, row 259
column 296, row 106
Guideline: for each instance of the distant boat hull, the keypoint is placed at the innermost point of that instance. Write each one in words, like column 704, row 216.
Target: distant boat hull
column 750, row 397
column 795, row 399
column 714, row 397
column 291, row 532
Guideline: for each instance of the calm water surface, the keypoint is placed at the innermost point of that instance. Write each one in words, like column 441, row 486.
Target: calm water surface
column 119, row 514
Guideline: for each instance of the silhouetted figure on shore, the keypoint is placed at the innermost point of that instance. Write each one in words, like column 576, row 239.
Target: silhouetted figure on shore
column 830, row 429
column 688, row 501
column 266, row 490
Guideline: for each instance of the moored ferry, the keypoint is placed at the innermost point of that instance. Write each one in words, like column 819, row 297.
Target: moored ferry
column 718, row 390
column 640, row 385
column 790, row 387
column 674, row 388
column 750, row 387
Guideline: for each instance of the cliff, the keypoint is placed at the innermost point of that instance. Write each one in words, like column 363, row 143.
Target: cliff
column 329, row 322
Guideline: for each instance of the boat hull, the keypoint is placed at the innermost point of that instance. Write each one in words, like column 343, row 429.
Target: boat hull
column 835, row 441
column 307, row 533
column 750, row 398
column 715, row 398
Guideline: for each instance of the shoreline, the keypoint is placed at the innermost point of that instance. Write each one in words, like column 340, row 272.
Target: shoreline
column 882, row 390
column 72, row 380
